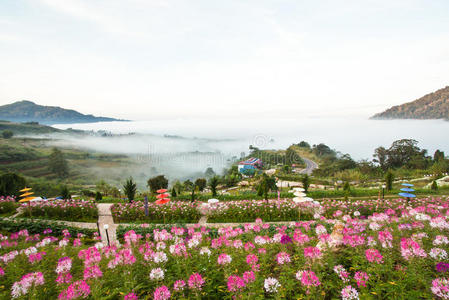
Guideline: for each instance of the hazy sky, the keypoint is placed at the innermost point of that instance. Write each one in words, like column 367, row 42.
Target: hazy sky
column 144, row 59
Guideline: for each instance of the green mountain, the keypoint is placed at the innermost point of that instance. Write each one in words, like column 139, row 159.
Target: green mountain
column 27, row 111
column 432, row 106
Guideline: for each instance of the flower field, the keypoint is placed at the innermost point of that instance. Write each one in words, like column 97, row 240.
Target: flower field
column 171, row 212
column 398, row 253
column 8, row 206
column 249, row 210
column 67, row 210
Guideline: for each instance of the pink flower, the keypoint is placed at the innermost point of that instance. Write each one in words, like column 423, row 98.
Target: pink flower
column 282, row 258
column 2, row 272
column 440, row 288
column 342, row 273
column 312, row 252
column 64, row 265
column 78, row 289
column 92, row 272
column 373, row 255
column 249, row 277
column 32, row 258
column 410, row 249
column 224, row 259
column 308, row 278
column 349, row 293
column 235, row 283
column 196, row 281
column 63, row 278
column 179, row 285
column 29, row 280
column 361, row 278
column 385, row 238
column 131, row 296
column 162, row 293
column 251, row 259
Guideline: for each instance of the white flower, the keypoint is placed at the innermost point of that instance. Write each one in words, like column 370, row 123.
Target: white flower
column 271, row 285
column 205, row 250
column 356, row 213
column 159, row 257
column 438, row 253
column 157, row 274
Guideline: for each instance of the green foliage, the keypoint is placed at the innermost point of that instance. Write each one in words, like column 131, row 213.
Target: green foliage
column 157, row 182
column 98, row 196
column 304, row 144
column 57, row 163
column 213, row 183
column 7, row 134
column 130, row 189
column 306, row 182
column 346, row 186
column 10, row 184
column 201, row 183
column 389, row 178
column 266, row 184
column 65, row 193
column 434, row 186
column 38, row 226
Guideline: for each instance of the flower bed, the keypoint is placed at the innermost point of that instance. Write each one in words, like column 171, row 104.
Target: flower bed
column 8, row 206
column 249, row 210
column 394, row 254
column 66, row 210
column 34, row 226
column 172, row 212
column 335, row 208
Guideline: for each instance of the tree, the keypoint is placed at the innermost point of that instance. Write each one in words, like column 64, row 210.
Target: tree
column 213, row 183
column 57, row 163
column 65, row 193
column 209, row 173
column 266, row 184
column 438, row 156
column 7, row 134
column 346, row 187
column 201, row 184
column 188, row 184
column 292, row 157
column 434, row 186
column 177, row 188
column 389, row 178
column 130, row 189
column 305, row 182
column 11, row 184
column 304, row 144
column 380, row 157
column 156, row 183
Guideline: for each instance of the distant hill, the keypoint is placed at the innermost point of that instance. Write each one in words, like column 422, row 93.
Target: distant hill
column 432, row 106
column 27, row 111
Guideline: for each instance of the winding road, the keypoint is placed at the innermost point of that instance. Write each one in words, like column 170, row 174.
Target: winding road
column 310, row 166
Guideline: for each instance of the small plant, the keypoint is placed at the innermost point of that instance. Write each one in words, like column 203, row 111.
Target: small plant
column 213, row 183
column 434, row 186
column 65, row 193
column 98, row 196
column 130, row 189
column 305, row 182
column 389, row 178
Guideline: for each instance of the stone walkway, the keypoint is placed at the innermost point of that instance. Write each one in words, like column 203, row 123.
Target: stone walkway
column 105, row 218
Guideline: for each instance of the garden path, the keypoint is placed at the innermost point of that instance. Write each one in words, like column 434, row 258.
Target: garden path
column 105, row 217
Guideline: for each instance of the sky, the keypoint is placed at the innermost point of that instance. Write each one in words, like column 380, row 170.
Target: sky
column 157, row 59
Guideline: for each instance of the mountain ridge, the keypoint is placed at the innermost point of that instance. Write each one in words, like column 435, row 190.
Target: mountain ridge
column 431, row 106
column 28, row 111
